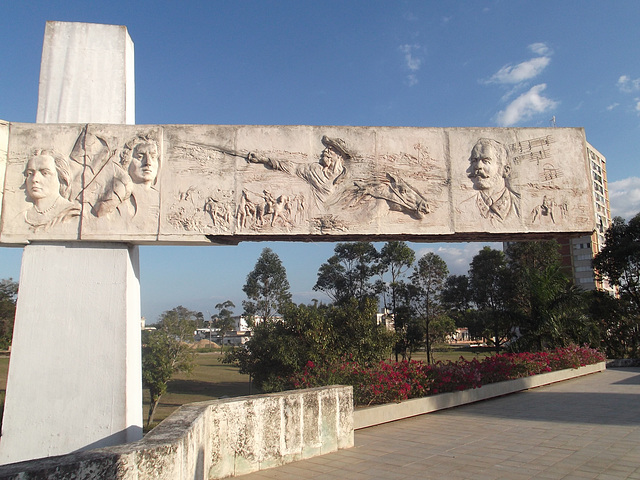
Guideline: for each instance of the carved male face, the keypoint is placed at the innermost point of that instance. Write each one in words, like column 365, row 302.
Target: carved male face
column 144, row 163
column 42, row 177
column 329, row 157
column 487, row 170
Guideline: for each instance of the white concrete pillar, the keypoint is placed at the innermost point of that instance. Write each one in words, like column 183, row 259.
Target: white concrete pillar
column 86, row 74
column 75, row 378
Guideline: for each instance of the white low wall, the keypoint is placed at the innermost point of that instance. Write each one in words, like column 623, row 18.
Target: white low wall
column 375, row 415
column 218, row 439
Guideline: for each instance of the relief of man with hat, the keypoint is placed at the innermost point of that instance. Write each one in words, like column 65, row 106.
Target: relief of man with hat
column 322, row 176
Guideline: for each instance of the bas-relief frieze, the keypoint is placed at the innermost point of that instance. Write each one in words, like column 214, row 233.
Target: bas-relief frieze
column 182, row 184
column 521, row 180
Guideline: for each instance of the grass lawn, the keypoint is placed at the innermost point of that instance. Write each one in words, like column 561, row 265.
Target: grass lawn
column 443, row 353
column 209, row 380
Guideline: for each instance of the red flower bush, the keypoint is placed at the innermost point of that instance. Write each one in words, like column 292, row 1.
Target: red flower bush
column 386, row 382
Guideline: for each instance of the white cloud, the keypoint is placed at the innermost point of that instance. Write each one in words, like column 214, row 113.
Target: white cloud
column 612, row 106
column 525, row 106
column 457, row 256
column 628, row 85
column 520, row 73
column 539, row 48
column 637, row 105
column 411, row 61
column 624, row 196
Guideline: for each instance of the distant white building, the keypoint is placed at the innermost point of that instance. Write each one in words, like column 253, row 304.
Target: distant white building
column 387, row 319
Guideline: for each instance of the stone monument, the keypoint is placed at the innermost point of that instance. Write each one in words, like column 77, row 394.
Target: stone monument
column 70, row 187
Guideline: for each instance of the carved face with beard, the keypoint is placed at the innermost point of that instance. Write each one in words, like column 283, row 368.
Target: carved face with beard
column 488, row 166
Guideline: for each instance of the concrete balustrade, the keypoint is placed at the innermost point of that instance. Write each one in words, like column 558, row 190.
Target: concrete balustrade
column 218, row 439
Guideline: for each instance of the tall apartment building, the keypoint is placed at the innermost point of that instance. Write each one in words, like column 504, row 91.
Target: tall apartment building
column 577, row 253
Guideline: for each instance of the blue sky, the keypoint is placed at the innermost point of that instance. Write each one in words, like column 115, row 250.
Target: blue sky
column 397, row 63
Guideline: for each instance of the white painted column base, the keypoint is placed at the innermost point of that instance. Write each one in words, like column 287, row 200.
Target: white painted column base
column 75, row 377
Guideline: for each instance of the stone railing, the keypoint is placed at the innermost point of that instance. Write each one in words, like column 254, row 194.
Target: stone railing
column 218, row 439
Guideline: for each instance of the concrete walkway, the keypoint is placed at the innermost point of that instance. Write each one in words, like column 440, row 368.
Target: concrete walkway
column 586, row 428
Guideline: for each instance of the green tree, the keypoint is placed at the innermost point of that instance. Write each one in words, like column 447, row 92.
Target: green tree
column 619, row 260
column 348, row 273
column 554, row 313
column 441, row 329
column 456, row 298
column 526, row 262
column 267, row 287
column 8, row 298
column 165, row 352
column 429, row 277
column 618, row 327
column 396, row 258
column 489, row 285
column 619, row 263
column 223, row 320
column 317, row 333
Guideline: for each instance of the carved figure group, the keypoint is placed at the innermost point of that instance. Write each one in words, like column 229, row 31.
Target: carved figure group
column 284, row 210
column 333, row 185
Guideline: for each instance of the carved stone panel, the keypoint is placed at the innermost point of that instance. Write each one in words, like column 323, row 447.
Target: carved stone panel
column 211, row 183
column 519, row 180
column 40, row 201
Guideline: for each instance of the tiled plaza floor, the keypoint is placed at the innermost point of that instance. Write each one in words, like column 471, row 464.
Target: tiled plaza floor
column 586, row 428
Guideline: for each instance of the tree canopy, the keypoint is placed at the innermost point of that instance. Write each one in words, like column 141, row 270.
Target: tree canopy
column 619, row 263
column 267, row 287
column 223, row 320
column 619, row 260
column 348, row 273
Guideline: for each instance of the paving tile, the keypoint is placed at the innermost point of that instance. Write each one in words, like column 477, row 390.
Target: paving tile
column 588, row 428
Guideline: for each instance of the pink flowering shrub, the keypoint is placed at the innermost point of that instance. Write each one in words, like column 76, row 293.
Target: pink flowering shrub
column 386, row 382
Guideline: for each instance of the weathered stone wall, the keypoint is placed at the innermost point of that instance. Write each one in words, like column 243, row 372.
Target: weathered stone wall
column 190, row 184
column 218, row 439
